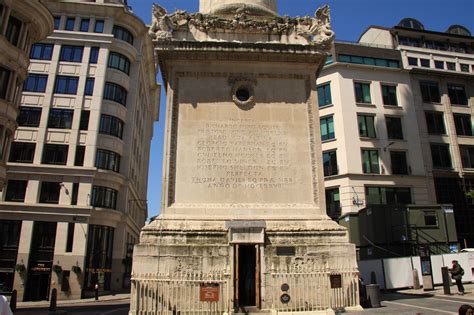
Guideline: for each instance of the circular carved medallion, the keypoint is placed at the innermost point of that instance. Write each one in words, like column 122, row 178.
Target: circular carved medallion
column 285, row 287
column 285, row 298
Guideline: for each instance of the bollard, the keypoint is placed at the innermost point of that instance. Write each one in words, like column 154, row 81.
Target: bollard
column 373, row 295
column 54, row 298
column 96, row 288
column 13, row 300
column 446, row 280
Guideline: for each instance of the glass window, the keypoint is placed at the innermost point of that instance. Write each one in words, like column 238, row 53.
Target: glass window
column 389, row 94
column 457, row 94
column 430, row 218
column 70, row 21
column 116, row 93
column 399, row 162
column 366, row 126
column 66, row 85
column 435, row 123
column 13, row 30
column 74, row 193
column 329, row 60
column 333, row 204
column 89, row 90
column 100, row 240
column 50, row 192
column 94, row 55
column 57, row 22
column 60, row 118
column 104, row 197
column 71, row 53
column 413, row 61
column 80, row 154
column 84, row 123
column 107, row 160
column 55, row 154
column 4, row 81
column 327, row 128
column 362, row 92
column 388, row 195
column 394, row 127
column 111, row 125
column 99, row 26
column 330, row 163
column 425, row 63
column 440, row 155
column 119, row 62
column 35, row 83
column 370, row 161
column 379, row 62
column 464, row 67
column 41, row 51
column 70, row 237
column 430, row 92
column 451, row 66
column 84, row 25
column 22, row 152
column 439, row 64
column 463, row 124
column 324, row 95
column 122, row 34
column 467, row 156
column 16, row 190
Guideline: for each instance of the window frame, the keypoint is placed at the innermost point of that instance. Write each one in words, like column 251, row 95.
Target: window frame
column 49, row 192
column 99, row 26
column 428, row 92
column 444, row 158
column 89, row 87
column 94, row 55
column 329, row 121
column 389, row 98
column 71, row 53
column 116, row 93
column 39, row 81
column 13, row 31
column 41, row 51
column 55, row 154
column 463, row 124
column 111, row 125
column 383, row 194
column 67, row 26
column 324, row 95
column 65, row 84
column 108, row 160
column 119, row 62
column 435, row 123
column 24, row 152
column 467, row 156
column 104, row 197
column 372, row 164
column 457, row 94
column 5, row 76
column 359, row 90
column 403, row 169
column 16, row 195
column 123, row 34
column 362, row 123
column 330, row 166
column 394, row 131
column 63, row 118
column 84, row 25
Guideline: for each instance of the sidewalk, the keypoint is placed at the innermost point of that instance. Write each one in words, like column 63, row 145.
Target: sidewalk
column 439, row 292
column 104, row 298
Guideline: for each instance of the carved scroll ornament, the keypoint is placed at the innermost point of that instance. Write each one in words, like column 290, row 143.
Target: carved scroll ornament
column 315, row 30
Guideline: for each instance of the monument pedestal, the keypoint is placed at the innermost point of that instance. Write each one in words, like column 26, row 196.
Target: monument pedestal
column 270, row 265
column 243, row 224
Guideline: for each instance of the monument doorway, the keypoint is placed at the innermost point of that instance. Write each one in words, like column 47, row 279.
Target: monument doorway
column 247, row 275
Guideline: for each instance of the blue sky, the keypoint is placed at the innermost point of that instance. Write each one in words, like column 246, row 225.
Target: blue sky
column 349, row 19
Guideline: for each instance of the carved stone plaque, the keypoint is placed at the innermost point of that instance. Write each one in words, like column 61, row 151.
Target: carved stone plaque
column 229, row 155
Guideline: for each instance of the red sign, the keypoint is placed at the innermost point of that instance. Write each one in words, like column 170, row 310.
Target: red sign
column 209, row 292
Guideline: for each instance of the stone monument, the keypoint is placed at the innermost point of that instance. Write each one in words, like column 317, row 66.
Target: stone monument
column 242, row 225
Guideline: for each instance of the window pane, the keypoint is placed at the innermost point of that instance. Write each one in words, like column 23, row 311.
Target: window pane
column 84, row 25
column 99, row 26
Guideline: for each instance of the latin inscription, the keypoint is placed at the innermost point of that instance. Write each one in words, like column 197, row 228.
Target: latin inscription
column 236, row 154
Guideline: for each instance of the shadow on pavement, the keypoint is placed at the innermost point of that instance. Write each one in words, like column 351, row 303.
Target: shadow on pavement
column 394, row 296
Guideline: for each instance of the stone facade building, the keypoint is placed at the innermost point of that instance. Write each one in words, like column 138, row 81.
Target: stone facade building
column 396, row 123
column 22, row 23
column 75, row 199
